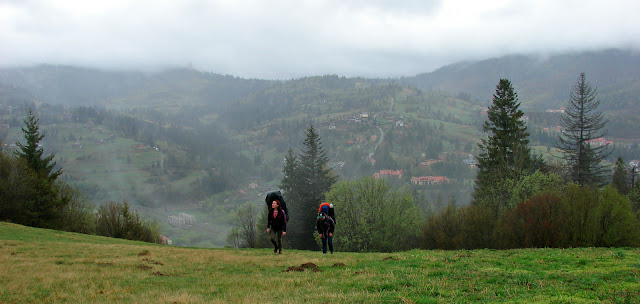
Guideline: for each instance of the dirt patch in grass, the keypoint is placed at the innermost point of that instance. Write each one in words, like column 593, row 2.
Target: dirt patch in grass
column 311, row 266
column 144, row 252
column 389, row 258
column 338, row 265
column 144, row 267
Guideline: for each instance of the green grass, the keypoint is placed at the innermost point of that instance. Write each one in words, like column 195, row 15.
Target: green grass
column 38, row 265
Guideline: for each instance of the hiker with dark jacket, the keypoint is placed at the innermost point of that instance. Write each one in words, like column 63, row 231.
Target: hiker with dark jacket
column 276, row 225
column 277, row 195
column 326, row 226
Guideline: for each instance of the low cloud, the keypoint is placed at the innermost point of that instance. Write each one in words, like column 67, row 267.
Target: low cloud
column 285, row 39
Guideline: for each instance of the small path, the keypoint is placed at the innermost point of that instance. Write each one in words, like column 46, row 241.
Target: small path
column 393, row 102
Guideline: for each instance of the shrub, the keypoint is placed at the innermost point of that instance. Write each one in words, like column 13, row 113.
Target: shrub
column 118, row 221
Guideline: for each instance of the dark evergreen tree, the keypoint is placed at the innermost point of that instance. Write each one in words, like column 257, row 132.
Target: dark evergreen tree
column 620, row 178
column 581, row 123
column 32, row 153
column 44, row 206
column 290, row 190
column 290, row 180
column 505, row 152
column 305, row 184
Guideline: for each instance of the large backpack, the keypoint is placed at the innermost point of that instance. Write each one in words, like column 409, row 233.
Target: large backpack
column 277, row 195
column 328, row 210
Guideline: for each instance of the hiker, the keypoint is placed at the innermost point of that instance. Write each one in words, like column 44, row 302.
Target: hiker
column 277, row 195
column 328, row 210
column 276, row 225
column 326, row 226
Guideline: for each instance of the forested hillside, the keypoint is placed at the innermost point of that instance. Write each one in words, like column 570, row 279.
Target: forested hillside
column 188, row 141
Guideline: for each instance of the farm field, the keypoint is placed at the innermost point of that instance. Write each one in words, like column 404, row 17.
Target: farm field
column 45, row 266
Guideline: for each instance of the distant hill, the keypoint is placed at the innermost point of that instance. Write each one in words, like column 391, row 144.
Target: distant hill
column 69, row 85
column 543, row 82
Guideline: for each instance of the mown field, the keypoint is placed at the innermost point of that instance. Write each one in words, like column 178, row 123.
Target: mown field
column 44, row 266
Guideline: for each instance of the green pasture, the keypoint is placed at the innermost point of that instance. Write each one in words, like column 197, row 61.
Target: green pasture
column 44, row 266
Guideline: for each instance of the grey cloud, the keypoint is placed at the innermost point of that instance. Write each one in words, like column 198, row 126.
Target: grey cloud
column 283, row 39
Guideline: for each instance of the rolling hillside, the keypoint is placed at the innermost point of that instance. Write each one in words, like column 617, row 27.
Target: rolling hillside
column 187, row 141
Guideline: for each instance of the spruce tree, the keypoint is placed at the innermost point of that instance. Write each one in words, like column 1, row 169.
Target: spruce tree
column 290, row 190
column 306, row 184
column 505, row 152
column 32, row 153
column 44, row 206
column 290, row 180
column 581, row 123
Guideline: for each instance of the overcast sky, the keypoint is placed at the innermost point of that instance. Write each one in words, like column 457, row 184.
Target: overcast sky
column 273, row 39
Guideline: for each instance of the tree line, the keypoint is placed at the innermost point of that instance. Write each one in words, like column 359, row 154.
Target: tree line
column 31, row 194
column 520, row 199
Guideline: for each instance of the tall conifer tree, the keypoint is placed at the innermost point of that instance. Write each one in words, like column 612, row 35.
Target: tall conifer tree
column 581, row 123
column 305, row 185
column 45, row 206
column 505, row 152
column 32, row 153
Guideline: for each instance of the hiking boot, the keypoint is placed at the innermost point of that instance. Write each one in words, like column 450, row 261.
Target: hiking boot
column 280, row 251
column 275, row 250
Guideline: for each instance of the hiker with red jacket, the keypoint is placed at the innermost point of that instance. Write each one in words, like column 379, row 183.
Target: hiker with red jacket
column 276, row 225
column 325, row 226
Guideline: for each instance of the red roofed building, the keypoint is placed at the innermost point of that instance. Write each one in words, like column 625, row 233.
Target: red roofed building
column 599, row 142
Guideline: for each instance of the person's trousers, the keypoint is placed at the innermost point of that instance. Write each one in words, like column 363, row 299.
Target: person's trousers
column 276, row 238
column 325, row 239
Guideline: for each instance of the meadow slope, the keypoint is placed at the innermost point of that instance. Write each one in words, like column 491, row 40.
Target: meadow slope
column 45, row 266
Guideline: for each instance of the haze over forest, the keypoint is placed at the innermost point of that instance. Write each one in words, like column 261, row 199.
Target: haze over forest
column 186, row 141
column 190, row 107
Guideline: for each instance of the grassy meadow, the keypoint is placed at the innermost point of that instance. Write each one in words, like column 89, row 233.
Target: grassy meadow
column 45, row 266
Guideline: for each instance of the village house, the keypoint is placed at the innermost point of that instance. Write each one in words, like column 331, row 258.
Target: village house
column 599, row 142
column 471, row 161
column 165, row 240
column 387, row 173
column 429, row 180
column 429, row 162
